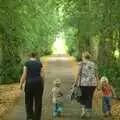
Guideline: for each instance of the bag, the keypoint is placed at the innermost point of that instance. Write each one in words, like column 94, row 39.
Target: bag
column 76, row 93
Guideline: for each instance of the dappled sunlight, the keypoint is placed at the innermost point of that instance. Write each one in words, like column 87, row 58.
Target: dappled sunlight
column 59, row 46
column 55, row 58
column 62, row 57
column 116, row 53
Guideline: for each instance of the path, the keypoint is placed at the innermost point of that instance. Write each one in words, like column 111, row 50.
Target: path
column 58, row 67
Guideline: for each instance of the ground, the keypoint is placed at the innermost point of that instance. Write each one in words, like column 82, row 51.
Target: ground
column 62, row 67
column 9, row 95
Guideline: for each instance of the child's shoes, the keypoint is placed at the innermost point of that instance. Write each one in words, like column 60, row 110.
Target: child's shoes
column 54, row 114
column 110, row 114
column 59, row 110
column 58, row 113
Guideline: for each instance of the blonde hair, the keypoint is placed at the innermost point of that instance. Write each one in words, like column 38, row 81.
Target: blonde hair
column 104, row 79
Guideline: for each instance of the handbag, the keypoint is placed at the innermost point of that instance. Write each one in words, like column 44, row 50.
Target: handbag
column 76, row 90
column 76, row 93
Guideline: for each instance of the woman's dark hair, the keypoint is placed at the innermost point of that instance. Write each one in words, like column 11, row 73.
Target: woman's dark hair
column 87, row 55
column 33, row 54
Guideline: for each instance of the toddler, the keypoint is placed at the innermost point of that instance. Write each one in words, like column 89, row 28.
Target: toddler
column 57, row 98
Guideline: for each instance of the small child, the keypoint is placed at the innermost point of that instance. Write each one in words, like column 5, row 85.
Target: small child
column 57, row 98
column 107, row 92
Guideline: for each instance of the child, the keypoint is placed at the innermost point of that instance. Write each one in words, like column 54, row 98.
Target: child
column 107, row 92
column 57, row 98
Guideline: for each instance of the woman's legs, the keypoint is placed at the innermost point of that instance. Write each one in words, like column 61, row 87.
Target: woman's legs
column 38, row 104
column 83, row 101
column 90, row 91
column 33, row 92
column 87, row 96
column 29, row 104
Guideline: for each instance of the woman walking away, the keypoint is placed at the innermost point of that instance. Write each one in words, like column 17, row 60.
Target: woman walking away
column 33, row 78
column 87, row 80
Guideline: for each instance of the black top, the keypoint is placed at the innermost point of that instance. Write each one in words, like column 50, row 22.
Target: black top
column 33, row 71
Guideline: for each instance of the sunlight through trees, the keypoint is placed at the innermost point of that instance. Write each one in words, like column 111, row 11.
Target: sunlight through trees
column 59, row 46
column 92, row 25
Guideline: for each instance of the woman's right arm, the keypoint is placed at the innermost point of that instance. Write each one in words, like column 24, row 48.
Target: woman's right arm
column 23, row 77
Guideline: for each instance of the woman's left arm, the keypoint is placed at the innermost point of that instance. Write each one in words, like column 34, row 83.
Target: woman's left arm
column 23, row 77
column 43, row 73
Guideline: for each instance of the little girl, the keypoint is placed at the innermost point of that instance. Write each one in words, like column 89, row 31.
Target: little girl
column 107, row 91
column 57, row 98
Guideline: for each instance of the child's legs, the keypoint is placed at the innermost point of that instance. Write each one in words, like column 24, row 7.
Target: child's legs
column 109, row 103
column 54, row 108
column 106, row 104
column 59, row 107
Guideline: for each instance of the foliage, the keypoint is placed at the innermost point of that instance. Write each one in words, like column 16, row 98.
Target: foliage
column 25, row 26
column 83, row 20
column 88, row 25
column 112, row 73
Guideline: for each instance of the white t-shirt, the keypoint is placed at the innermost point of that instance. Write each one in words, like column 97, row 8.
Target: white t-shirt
column 57, row 97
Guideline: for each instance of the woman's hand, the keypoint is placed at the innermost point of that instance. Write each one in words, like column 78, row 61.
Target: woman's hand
column 21, row 86
column 74, row 84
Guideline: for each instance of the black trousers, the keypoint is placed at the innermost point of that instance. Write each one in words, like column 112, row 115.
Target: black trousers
column 87, row 96
column 33, row 99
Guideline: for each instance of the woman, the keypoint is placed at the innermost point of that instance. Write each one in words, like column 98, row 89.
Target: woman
column 33, row 78
column 87, row 80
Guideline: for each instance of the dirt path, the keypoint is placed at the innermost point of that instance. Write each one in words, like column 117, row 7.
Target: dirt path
column 9, row 95
column 57, row 67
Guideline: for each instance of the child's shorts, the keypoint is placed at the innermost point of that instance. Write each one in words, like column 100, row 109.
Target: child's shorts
column 58, row 109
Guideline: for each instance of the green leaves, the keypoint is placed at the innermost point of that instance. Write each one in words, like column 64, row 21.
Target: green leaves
column 25, row 26
column 32, row 25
